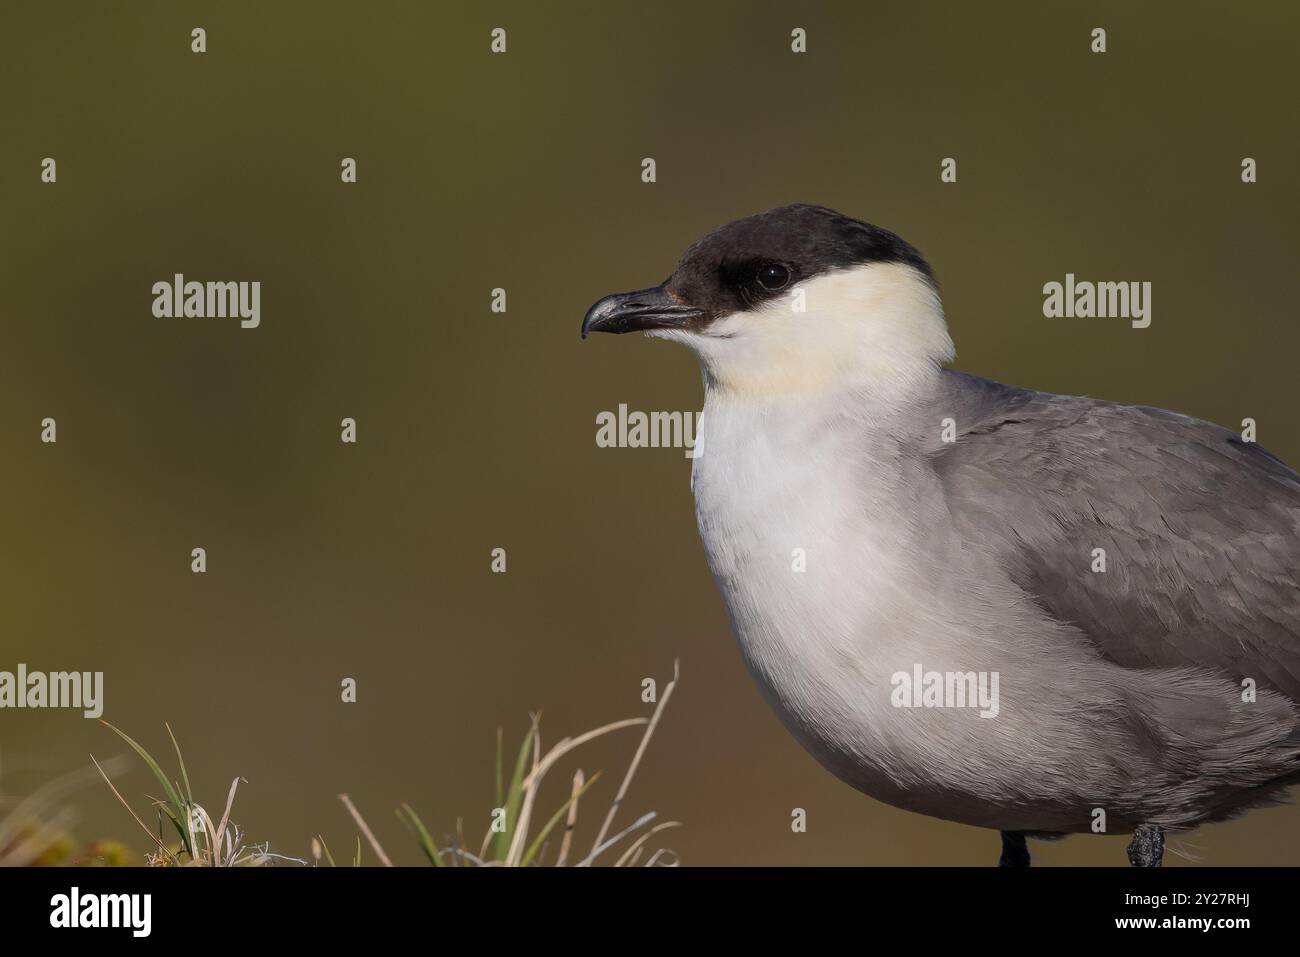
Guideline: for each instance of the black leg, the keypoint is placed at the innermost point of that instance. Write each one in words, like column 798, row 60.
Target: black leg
column 1147, row 849
column 1015, row 852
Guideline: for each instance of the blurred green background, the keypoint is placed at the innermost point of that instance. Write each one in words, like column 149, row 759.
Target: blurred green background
column 476, row 430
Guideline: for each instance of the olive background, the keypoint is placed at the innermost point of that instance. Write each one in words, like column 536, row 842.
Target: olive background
column 476, row 430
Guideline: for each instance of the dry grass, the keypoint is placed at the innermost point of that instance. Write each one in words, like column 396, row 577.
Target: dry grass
column 202, row 843
column 507, row 842
column 188, row 835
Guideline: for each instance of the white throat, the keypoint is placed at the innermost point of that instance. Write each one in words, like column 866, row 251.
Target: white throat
column 876, row 330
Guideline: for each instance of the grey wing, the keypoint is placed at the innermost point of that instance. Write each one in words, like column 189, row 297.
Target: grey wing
column 1200, row 530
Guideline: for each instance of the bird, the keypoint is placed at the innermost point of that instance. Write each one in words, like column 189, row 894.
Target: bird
column 1125, row 575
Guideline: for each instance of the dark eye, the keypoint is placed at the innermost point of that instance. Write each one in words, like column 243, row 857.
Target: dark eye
column 773, row 276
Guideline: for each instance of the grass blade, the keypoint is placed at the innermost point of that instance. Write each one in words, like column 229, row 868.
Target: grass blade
column 427, row 844
column 326, row 848
column 631, row 855
column 514, row 797
column 225, row 818
column 636, row 760
column 566, row 842
column 189, row 795
column 555, row 819
column 365, row 829
column 144, row 827
column 178, row 811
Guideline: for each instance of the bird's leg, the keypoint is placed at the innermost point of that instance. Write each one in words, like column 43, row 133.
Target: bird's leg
column 1015, row 852
column 1147, row 849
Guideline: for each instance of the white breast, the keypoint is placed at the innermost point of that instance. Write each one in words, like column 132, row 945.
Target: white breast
column 886, row 587
column 804, row 539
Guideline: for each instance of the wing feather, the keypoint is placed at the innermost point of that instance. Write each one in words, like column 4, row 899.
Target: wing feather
column 1201, row 530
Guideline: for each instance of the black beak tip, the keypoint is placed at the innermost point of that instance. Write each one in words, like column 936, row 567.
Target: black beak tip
column 638, row 311
column 602, row 315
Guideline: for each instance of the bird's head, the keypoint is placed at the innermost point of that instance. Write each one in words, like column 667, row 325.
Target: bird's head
column 794, row 300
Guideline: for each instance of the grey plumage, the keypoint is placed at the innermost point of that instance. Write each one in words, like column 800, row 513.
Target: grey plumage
column 1201, row 532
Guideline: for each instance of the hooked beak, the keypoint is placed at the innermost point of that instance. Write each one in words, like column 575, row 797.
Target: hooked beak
column 643, row 309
